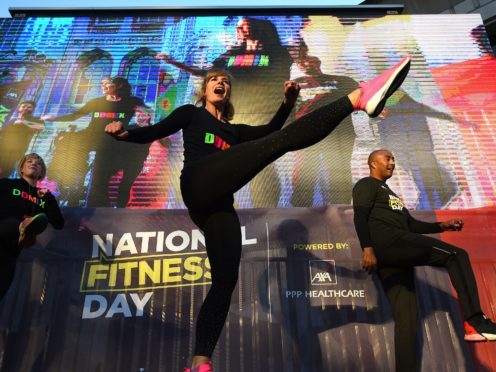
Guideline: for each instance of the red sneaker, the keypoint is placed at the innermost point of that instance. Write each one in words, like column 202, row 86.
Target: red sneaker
column 485, row 328
column 204, row 367
column 471, row 334
column 376, row 91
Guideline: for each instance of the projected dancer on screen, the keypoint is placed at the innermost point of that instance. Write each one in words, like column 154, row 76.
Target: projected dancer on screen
column 392, row 243
column 220, row 158
column 331, row 156
column 259, row 65
column 116, row 104
column 132, row 157
column 25, row 211
column 16, row 136
column 406, row 126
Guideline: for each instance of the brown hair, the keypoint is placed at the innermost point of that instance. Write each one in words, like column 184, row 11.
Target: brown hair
column 228, row 108
column 37, row 157
column 122, row 86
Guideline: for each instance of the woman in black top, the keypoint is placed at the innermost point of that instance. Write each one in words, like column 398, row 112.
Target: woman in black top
column 24, row 211
column 220, row 158
column 257, row 54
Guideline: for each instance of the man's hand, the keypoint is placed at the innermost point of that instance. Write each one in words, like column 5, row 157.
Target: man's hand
column 453, row 225
column 291, row 92
column 369, row 261
column 115, row 129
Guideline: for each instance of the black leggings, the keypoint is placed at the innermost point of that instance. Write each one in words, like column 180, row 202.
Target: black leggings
column 9, row 250
column 207, row 187
column 396, row 264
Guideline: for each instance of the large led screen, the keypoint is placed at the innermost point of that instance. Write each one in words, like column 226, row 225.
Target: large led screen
column 439, row 124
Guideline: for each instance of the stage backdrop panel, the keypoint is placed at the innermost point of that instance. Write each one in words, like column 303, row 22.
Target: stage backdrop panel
column 440, row 124
column 118, row 290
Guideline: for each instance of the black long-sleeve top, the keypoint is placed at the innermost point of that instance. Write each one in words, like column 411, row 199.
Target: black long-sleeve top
column 18, row 199
column 104, row 112
column 381, row 217
column 204, row 134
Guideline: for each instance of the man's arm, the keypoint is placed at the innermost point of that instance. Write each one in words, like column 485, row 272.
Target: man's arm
column 369, row 261
column 421, row 227
column 363, row 202
column 31, row 122
column 196, row 71
column 85, row 110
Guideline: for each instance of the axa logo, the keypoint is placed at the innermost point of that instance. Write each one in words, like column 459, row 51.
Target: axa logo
column 322, row 272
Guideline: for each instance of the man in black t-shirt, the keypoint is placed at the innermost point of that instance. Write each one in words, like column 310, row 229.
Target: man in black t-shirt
column 392, row 243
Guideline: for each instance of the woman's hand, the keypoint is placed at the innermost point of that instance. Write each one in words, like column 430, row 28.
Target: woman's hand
column 291, row 92
column 115, row 129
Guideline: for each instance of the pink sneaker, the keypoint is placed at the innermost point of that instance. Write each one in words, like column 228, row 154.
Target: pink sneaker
column 471, row 334
column 204, row 367
column 376, row 91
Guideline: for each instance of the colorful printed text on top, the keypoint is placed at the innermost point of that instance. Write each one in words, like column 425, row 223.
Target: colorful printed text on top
column 216, row 141
column 31, row 198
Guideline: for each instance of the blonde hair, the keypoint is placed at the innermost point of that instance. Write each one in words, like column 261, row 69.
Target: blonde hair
column 228, row 108
column 35, row 156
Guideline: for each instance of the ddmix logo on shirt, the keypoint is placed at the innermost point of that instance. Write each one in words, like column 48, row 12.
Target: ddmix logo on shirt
column 218, row 142
column 31, row 198
column 109, row 115
column 248, row 60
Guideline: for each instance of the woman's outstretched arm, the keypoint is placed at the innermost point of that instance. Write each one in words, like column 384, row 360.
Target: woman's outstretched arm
column 85, row 110
column 177, row 120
